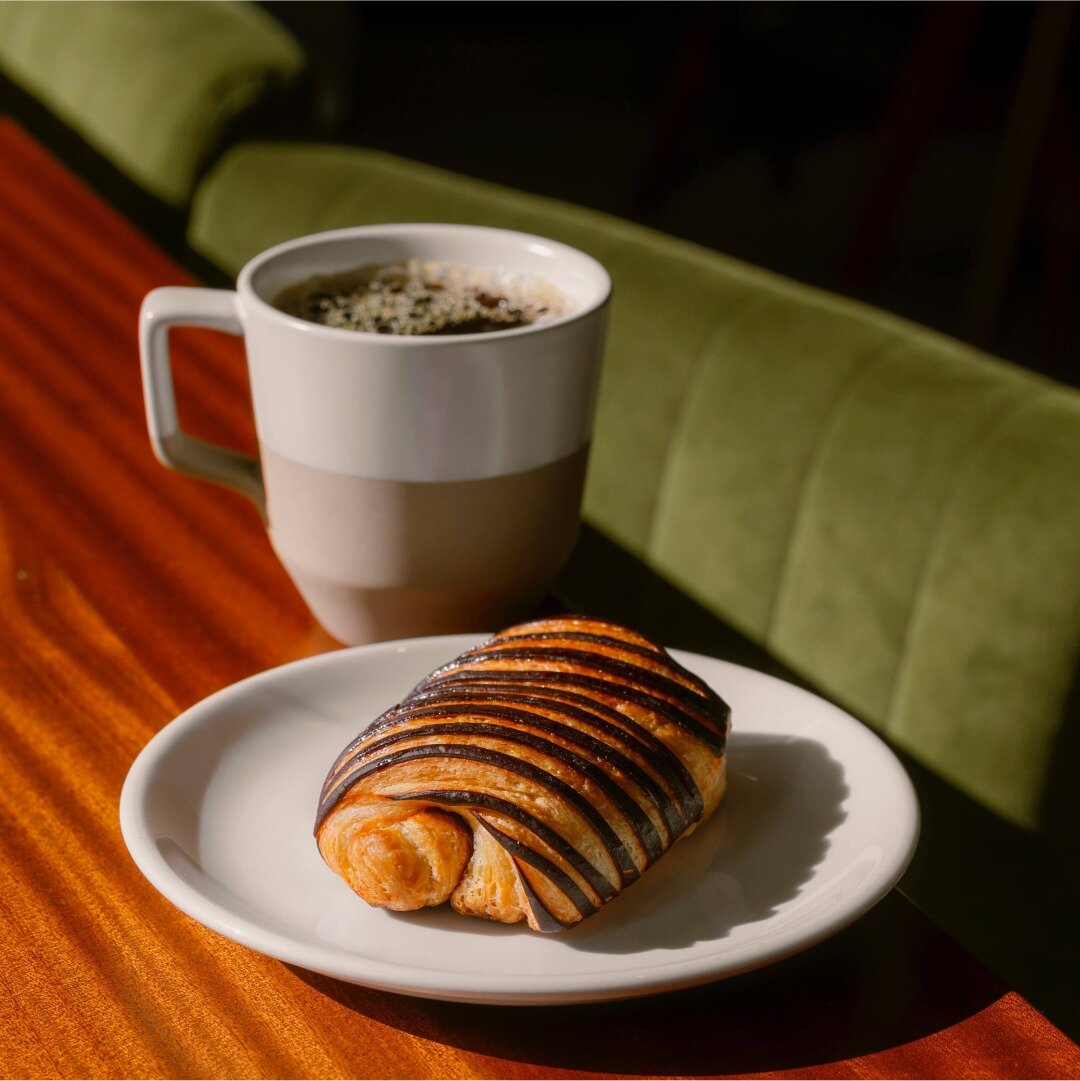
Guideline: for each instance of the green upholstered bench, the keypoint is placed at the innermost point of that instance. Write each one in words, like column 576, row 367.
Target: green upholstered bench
column 151, row 86
column 890, row 513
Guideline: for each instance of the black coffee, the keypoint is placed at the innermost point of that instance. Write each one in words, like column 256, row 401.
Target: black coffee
column 420, row 297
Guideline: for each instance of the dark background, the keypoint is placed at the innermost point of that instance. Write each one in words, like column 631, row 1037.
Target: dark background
column 920, row 156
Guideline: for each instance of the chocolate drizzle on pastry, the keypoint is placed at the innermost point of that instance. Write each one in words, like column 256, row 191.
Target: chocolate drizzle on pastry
column 579, row 747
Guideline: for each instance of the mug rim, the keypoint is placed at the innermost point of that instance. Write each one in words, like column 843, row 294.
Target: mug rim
column 249, row 295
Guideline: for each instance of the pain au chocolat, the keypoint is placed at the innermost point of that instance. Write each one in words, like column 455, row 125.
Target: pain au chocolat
column 533, row 777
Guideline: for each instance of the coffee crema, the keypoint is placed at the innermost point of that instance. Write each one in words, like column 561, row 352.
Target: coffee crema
column 423, row 297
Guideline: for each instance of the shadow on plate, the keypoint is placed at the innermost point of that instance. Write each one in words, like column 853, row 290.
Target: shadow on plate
column 785, row 797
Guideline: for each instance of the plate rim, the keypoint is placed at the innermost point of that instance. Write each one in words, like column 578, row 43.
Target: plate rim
column 483, row 988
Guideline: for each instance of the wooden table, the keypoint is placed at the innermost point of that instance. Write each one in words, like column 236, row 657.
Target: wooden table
column 127, row 593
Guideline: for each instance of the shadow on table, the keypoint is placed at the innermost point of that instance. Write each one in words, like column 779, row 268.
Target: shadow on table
column 886, row 981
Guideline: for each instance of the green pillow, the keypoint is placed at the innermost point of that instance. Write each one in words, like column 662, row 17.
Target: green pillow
column 151, row 86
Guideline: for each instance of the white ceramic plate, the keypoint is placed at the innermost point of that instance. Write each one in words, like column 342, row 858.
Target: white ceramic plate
column 819, row 822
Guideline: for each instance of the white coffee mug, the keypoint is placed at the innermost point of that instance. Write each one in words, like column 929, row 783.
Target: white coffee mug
column 411, row 485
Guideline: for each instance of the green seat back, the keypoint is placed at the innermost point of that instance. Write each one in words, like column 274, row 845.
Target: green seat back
column 892, row 514
column 898, row 518
column 151, row 86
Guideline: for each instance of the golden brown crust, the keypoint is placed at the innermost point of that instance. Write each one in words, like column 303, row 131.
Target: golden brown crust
column 533, row 777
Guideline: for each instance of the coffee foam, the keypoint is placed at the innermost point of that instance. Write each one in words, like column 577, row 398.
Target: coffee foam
column 424, row 297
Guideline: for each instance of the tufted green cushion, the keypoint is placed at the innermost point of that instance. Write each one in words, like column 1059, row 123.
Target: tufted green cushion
column 892, row 514
column 149, row 85
column 899, row 521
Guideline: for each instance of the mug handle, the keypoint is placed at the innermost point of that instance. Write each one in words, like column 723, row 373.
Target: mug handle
column 182, row 306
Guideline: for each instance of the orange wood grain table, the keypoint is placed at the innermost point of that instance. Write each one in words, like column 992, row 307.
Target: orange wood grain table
column 128, row 593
